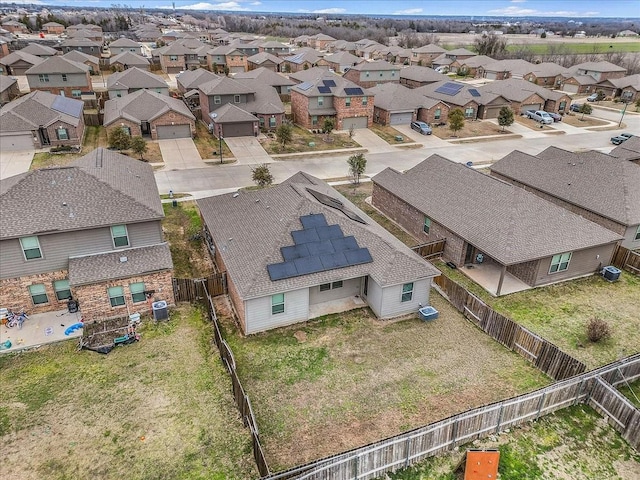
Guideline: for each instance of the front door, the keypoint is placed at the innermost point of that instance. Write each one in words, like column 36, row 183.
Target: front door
column 468, row 257
column 44, row 136
column 145, row 128
column 365, row 286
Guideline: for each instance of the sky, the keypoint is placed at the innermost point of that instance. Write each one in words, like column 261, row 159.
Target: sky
column 506, row 8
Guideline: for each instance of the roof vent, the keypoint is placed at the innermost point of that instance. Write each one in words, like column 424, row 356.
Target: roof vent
column 123, row 259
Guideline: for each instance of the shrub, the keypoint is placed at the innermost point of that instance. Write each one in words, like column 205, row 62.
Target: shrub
column 61, row 148
column 597, row 330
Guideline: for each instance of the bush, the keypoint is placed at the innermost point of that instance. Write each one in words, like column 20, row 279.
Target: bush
column 597, row 330
column 61, row 148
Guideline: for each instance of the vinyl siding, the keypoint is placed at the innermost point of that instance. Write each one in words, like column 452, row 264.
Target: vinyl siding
column 629, row 235
column 55, row 80
column 374, row 297
column 258, row 315
column 392, row 304
column 583, row 262
column 57, row 248
column 350, row 288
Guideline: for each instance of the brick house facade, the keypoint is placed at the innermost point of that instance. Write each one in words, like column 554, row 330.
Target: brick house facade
column 439, row 113
column 169, row 118
column 301, row 115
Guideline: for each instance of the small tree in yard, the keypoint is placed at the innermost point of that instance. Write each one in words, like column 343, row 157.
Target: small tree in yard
column 284, row 133
column 600, row 96
column 262, row 175
column 585, row 108
column 456, row 120
column 357, row 166
column 598, row 330
column 328, row 125
column 138, row 146
column 505, row 117
column 119, row 139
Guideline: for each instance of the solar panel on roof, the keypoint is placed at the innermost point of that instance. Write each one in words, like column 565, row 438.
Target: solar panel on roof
column 353, row 91
column 313, row 220
column 305, row 236
column 320, row 248
column 329, row 232
column 329, row 83
column 449, row 88
column 324, row 90
column 68, row 106
column 334, row 260
column 278, row 271
column 474, row 92
column 344, row 243
column 335, row 203
column 291, row 252
column 357, row 257
column 306, row 265
column 305, row 86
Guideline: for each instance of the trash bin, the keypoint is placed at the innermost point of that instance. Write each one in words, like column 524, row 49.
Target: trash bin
column 72, row 305
column 160, row 310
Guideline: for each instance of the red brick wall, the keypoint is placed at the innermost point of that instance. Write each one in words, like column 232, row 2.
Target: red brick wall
column 135, row 127
column 428, row 115
column 525, row 271
column 14, row 292
column 299, row 109
column 76, row 134
column 356, row 109
column 166, row 63
column 238, row 304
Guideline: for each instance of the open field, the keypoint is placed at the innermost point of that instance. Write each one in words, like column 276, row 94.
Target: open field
column 341, row 381
column 157, row 409
column 572, row 444
column 570, row 47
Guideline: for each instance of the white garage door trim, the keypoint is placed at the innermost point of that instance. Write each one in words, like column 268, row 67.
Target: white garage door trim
column 401, row 118
column 168, row 132
column 18, row 142
column 357, row 122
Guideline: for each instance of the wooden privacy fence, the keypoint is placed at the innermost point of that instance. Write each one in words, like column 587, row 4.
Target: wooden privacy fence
column 543, row 354
column 431, row 249
column 193, row 289
column 400, row 451
column 241, row 398
column 626, row 259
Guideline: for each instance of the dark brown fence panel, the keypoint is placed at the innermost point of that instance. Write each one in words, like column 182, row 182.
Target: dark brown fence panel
column 193, row 289
column 431, row 249
column 626, row 259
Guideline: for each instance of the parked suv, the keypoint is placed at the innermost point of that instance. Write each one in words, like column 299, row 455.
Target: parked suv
column 623, row 137
column 540, row 116
column 592, row 98
column 421, row 127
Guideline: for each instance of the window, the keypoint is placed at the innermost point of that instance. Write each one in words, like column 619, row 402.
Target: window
column 77, row 93
column 61, row 287
column 217, row 100
column 44, row 78
column 137, row 292
column 64, row 77
column 560, row 262
column 119, row 235
column 30, row 248
column 407, row 292
column 277, row 304
column 414, row 54
column 427, row 224
column 437, row 114
column 562, row 106
column 236, row 99
column 365, row 100
column 116, row 296
column 337, row 284
column 38, row 294
column 158, row 90
column 261, row 121
column 320, row 101
column 381, row 74
column 325, row 287
column 63, row 134
column 637, row 237
column 347, row 102
column 469, row 112
column 126, row 129
column 314, row 120
column 173, row 58
column 272, row 122
column 393, row 73
column 366, row 74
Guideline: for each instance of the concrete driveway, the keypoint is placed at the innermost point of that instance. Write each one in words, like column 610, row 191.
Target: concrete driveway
column 431, row 140
column 13, row 163
column 369, row 140
column 247, row 150
column 180, row 154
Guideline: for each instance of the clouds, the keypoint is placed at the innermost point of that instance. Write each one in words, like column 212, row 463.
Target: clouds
column 409, row 11
column 327, row 11
column 530, row 12
column 231, row 6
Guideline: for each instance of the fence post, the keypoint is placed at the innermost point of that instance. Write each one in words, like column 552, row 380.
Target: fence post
column 408, row 448
column 499, row 418
column 355, row 467
column 540, row 403
column 577, row 399
column 454, row 432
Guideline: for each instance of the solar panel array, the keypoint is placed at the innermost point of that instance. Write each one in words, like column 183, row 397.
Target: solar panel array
column 329, row 83
column 305, row 86
column 474, row 92
column 353, row 91
column 449, row 88
column 324, row 89
column 68, row 105
column 318, row 247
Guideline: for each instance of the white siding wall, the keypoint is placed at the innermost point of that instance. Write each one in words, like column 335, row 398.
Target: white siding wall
column 258, row 315
column 392, row 304
column 350, row 288
column 374, row 297
column 629, row 236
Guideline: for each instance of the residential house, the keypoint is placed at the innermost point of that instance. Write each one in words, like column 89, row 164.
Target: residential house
column 320, row 41
column 192, row 79
column 123, row 45
column 262, row 76
column 258, row 105
column 584, row 77
column 423, row 56
column 40, row 120
column 265, row 60
column 627, row 33
column 15, row 27
column 513, row 238
column 395, row 104
column 148, row 33
column 503, row 69
column 628, row 150
column 275, row 48
column 627, row 89
column 580, row 84
column 92, row 231
column 416, row 76
column 301, row 41
column 340, row 62
column 8, row 89
column 53, row 28
column 303, row 250
column 309, row 75
column 173, row 58
column 86, row 32
column 599, row 187
column 302, row 59
column 472, row 66
column 125, row 60
column 38, row 50
column 226, row 56
column 60, row 76
column 150, row 114
column 342, row 46
column 17, row 63
column 83, row 45
column 89, row 60
column 546, row 74
column 452, row 59
column 370, row 74
column 331, row 96
column 463, row 96
column 4, row 48
column 247, row 46
column 133, row 79
column 365, row 46
column 524, row 95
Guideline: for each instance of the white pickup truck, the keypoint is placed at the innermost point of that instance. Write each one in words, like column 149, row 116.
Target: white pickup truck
column 539, row 116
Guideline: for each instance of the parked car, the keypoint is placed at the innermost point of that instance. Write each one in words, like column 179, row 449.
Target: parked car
column 592, row 98
column 556, row 116
column 623, row 137
column 540, row 116
column 421, row 127
column 575, row 107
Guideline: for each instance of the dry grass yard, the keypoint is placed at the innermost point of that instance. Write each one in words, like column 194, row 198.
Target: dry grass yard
column 389, row 134
column 588, row 121
column 532, row 124
column 342, row 381
column 306, row 141
column 469, row 130
column 158, row 409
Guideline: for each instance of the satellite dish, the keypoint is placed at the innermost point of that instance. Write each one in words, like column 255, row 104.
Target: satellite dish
column 213, row 115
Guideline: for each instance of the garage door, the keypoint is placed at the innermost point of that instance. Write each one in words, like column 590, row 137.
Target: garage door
column 491, row 112
column 238, row 129
column 357, row 122
column 173, row 131
column 490, row 75
column 16, row 142
column 236, row 69
column 404, row 118
column 570, row 88
column 530, row 106
column 174, row 69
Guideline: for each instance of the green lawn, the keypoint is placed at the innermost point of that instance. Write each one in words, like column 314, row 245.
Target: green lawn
column 632, row 392
column 157, row 409
column 574, row 48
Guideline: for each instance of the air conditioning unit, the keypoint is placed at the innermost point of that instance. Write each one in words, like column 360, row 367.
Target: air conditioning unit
column 611, row 273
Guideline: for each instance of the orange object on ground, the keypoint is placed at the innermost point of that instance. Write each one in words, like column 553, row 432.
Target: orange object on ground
column 482, row 464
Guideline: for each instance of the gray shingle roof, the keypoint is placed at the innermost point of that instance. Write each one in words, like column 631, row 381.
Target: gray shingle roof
column 422, row 74
column 506, row 222
column 229, row 113
column 108, row 266
column 226, row 86
column 343, row 58
column 517, row 89
column 124, row 42
column 268, row 216
column 30, row 111
column 303, row 55
column 135, row 78
column 265, row 77
column 338, row 91
column 431, row 48
column 262, row 57
column 628, row 81
column 39, row 50
column 394, row 97
column 595, row 181
column 57, row 64
column 143, row 106
column 476, row 61
column 129, row 58
column 14, row 57
column 515, row 65
column 100, row 189
column 81, row 42
column 375, row 66
column 81, row 57
column 602, row 66
column 628, row 150
column 6, row 82
column 190, row 79
column 462, row 97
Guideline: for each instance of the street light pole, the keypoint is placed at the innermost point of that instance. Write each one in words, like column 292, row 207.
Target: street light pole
column 220, row 140
column 623, row 111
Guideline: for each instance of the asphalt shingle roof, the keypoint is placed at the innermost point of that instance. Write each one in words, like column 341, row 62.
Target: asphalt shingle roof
column 250, row 228
column 39, row 50
column 135, row 78
column 143, row 106
column 422, row 74
column 6, row 82
column 190, row 79
column 129, row 58
column 394, row 97
column 506, row 222
column 628, row 150
column 229, row 113
column 262, row 57
column 518, row 89
column 124, row 42
column 265, row 77
column 375, row 66
column 30, row 111
column 81, row 57
column 57, row 64
column 14, row 57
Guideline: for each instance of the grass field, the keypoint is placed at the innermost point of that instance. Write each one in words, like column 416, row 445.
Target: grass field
column 342, row 381
column 575, row 48
column 157, row 409
column 389, row 134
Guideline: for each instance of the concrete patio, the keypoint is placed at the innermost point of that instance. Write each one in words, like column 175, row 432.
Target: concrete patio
column 487, row 275
column 40, row 329
column 335, row 306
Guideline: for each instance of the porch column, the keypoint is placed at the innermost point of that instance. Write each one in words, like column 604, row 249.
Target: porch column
column 502, row 272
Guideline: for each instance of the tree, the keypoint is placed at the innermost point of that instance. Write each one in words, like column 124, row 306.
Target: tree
column 138, row 146
column 328, row 125
column 505, row 117
column 543, row 35
column 262, row 175
column 494, row 46
column 456, row 120
column 600, row 95
column 585, row 108
column 284, row 133
column 119, row 139
column 357, row 166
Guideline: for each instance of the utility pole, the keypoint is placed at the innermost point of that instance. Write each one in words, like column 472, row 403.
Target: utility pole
column 622, row 113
